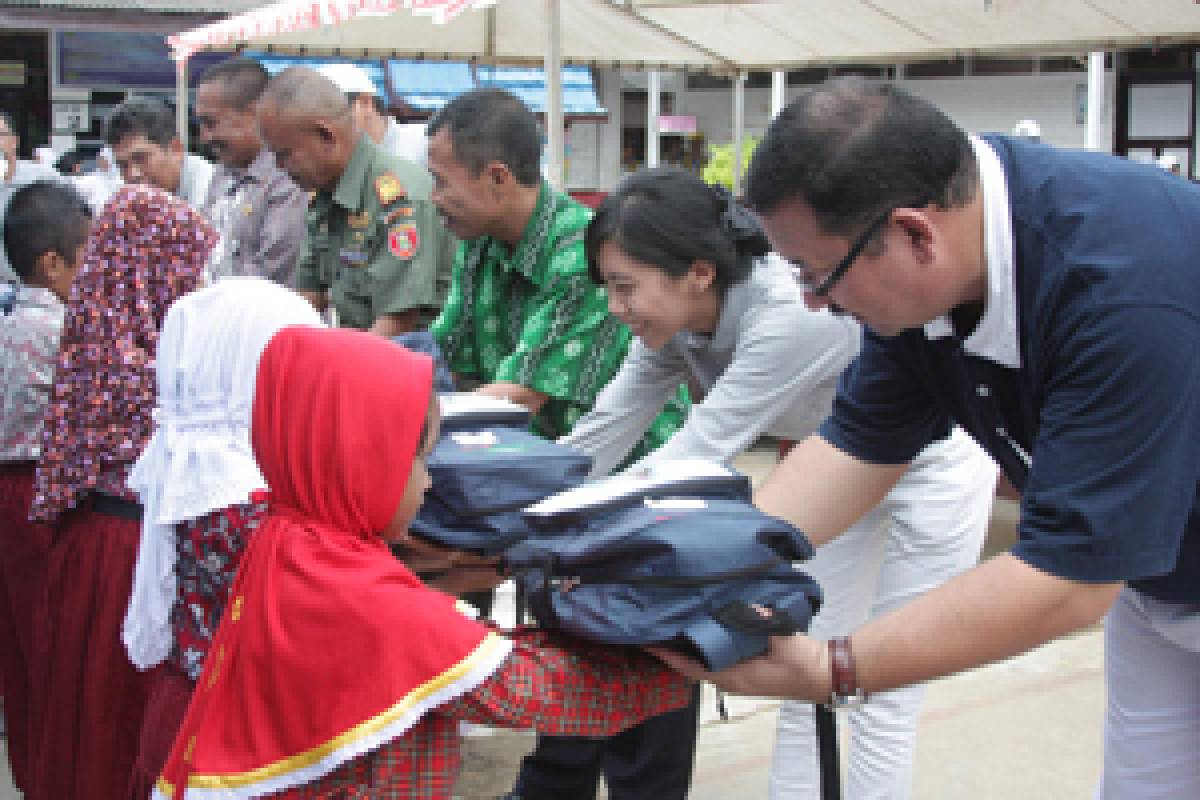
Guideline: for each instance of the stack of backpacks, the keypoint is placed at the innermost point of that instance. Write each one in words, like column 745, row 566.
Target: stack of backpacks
column 675, row 556
column 484, row 469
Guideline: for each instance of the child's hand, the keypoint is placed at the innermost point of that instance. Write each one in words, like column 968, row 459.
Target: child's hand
column 423, row 556
column 470, row 574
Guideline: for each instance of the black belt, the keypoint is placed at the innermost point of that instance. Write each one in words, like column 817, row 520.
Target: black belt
column 113, row 506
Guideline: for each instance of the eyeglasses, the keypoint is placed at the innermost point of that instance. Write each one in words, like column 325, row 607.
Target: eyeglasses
column 822, row 288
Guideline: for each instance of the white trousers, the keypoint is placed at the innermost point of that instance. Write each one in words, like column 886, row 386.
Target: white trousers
column 929, row 528
column 1152, row 726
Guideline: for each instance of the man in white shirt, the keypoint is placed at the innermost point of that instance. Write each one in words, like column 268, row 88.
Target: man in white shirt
column 147, row 149
column 370, row 113
column 14, row 173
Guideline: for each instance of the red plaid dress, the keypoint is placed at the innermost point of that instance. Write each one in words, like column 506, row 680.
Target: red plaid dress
column 209, row 551
column 550, row 683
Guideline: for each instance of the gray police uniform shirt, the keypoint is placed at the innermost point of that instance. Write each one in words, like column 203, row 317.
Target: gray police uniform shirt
column 771, row 367
column 26, row 172
column 259, row 213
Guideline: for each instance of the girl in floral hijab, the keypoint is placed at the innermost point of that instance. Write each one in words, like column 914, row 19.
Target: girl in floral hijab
column 145, row 249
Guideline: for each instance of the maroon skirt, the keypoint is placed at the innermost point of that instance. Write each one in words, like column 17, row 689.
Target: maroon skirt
column 95, row 698
column 168, row 703
column 23, row 616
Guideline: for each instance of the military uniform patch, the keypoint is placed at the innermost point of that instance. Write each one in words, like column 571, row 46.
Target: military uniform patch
column 402, row 211
column 358, row 220
column 352, row 256
column 389, row 189
column 404, row 241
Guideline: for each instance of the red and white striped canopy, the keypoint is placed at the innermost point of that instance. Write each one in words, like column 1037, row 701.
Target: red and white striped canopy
column 299, row 16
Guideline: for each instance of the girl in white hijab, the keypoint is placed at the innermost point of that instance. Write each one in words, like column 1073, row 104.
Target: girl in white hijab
column 202, row 492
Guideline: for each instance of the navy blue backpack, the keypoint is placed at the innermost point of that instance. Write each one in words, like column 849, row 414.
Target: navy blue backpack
column 468, row 411
column 484, row 469
column 680, row 563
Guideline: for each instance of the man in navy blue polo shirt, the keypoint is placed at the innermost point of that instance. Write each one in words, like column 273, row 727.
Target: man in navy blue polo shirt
column 1049, row 302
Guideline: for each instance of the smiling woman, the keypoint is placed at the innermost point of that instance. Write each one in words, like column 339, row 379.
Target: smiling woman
column 688, row 270
column 668, row 272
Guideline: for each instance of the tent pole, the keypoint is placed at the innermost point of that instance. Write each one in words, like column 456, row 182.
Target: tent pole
column 739, row 126
column 653, row 112
column 181, row 101
column 555, row 130
column 778, row 92
column 1095, row 100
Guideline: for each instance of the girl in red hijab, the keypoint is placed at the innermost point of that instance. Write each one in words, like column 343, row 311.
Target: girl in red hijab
column 145, row 249
column 335, row 672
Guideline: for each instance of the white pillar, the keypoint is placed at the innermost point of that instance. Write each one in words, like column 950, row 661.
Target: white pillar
column 609, row 140
column 1095, row 101
column 181, row 102
column 739, row 126
column 552, row 66
column 778, row 92
column 653, row 109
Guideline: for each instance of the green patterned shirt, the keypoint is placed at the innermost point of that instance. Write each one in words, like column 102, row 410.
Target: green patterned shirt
column 533, row 317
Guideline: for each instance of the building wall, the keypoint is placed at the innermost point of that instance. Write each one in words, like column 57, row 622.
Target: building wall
column 594, row 148
column 978, row 104
column 608, row 169
column 994, row 104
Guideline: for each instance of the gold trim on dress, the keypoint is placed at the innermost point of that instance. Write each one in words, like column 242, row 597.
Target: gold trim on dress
column 301, row 760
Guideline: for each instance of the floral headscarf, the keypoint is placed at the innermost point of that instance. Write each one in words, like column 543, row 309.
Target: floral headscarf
column 146, row 249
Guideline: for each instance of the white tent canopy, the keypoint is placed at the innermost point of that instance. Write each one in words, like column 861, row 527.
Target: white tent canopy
column 729, row 35
column 779, row 35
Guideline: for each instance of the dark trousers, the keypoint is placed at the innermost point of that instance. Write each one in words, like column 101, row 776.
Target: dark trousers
column 651, row 761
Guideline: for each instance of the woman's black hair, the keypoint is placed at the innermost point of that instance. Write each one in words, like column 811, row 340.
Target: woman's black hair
column 669, row 218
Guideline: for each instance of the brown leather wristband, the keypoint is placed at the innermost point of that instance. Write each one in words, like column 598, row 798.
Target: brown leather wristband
column 846, row 691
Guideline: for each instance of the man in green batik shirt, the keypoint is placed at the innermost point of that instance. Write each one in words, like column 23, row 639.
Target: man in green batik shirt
column 521, row 315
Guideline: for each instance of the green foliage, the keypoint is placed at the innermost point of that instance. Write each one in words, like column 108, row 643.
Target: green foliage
column 720, row 161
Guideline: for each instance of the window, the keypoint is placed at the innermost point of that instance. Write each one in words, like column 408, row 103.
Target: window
column 1002, row 66
column 945, row 68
